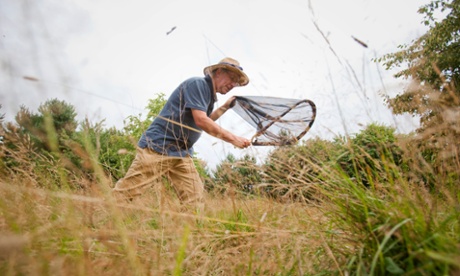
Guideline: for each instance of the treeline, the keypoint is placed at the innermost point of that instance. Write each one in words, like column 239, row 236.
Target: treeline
column 50, row 149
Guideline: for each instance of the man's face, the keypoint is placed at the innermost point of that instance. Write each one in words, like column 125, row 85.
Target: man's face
column 225, row 80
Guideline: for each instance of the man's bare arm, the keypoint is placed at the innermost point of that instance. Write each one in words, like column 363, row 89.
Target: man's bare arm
column 209, row 126
column 222, row 109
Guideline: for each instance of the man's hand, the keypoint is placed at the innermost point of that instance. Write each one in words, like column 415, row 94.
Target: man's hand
column 241, row 142
column 221, row 110
column 230, row 102
column 213, row 129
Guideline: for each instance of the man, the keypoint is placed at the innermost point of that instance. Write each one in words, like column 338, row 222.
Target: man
column 166, row 147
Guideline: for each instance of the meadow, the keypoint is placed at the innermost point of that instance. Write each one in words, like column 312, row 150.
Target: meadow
column 374, row 203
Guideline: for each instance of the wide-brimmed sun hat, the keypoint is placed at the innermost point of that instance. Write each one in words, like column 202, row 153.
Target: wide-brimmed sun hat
column 232, row 65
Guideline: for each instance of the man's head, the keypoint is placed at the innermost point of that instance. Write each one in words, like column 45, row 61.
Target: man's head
column 227, row 74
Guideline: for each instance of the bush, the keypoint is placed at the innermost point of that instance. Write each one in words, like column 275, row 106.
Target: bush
column 293, row 172
column 237, row 174
column 366, row 156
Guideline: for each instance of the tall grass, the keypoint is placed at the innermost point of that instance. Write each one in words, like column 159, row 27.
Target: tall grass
column 399, row 227
column 391, row 224
column 52, row 233
column 366, row 205
column 47, row 230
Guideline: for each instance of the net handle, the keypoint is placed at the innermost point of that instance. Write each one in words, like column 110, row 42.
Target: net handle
column 290, row 142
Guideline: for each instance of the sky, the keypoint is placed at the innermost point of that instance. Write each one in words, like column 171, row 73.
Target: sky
column 108, row 57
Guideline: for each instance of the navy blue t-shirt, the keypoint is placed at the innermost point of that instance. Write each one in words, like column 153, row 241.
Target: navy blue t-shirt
column 174, row 131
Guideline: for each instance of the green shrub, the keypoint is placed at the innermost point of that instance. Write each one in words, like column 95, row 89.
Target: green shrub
column 292, row 172
column 238, row 174
column 364, row 156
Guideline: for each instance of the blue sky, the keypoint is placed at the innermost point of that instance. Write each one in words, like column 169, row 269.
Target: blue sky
column 109, row 57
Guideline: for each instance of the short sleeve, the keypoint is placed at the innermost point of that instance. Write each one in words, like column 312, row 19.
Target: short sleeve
column 197, row 95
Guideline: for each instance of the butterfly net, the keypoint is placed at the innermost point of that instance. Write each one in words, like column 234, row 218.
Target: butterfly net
column 278, row 121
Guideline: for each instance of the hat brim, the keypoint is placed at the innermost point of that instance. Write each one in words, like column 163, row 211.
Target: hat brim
column 244, row 79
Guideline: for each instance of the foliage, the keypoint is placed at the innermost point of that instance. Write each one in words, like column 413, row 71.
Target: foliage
column 202, row 170
column 400, row 227
column 432, row 61
column 403, row 224
column 365, row 156
column 238, row 174
column 394, row 225
column 291, row 173
column 60, row 114
column 295, row 172
column 113, row 149
column 51, row 134
column 35, row 148
column 135, row 125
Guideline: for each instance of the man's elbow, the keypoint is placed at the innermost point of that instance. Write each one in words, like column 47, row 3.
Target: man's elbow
column 201, row 123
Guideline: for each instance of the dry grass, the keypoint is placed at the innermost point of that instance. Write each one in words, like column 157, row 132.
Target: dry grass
column 63, row 233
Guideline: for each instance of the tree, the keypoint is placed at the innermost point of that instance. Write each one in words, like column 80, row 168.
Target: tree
column 241, row 174
column 62, row 116
column 371, row 156
column 432, row 62
column 292, row 172
column 135, row 126
column 116, row 149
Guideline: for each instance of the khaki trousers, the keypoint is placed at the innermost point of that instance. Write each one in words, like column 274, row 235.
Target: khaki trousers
column 149, row 167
